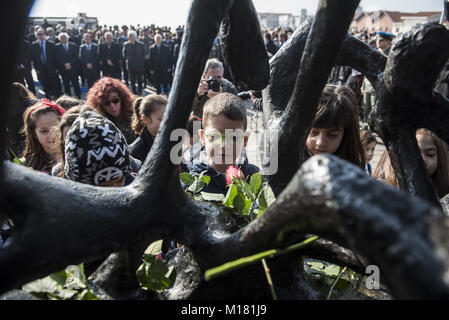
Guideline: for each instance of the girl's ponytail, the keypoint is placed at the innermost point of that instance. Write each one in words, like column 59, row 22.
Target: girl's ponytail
column 137, row 123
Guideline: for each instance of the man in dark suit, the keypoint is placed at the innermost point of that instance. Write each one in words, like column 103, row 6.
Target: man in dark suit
column 148, row 41
column 44, row 60
column 134, row 54
column 90, row 62
column 110, row 57
column 171, row 46
column 23, row 67
column 68, row 64
column 160, row 64
column 121, row 41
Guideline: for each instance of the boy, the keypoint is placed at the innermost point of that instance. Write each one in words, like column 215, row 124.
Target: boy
column 224, row 137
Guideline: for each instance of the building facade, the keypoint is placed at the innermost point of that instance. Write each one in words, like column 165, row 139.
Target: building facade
column 391, row 21
column 68, row 22
column 275, row 20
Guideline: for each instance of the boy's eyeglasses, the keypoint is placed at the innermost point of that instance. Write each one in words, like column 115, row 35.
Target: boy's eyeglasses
column 114, row 101
column 216, row 138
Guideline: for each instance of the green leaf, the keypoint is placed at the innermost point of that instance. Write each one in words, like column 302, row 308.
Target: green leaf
column 213, row 196
column 196, row 186
column 332, row 271
column 246, row 189
column 87, row 295
column 232, row 192
column 198, row 197
column 255, row 183
column 266, row 198
column 262, row 201
column 269, row 196
column 50, row 287
column 44, row 285
column 247, row 208
column 239, row 203
column 187, row 178
column 67, row 284
column 154, row 275
column 154, row 249
column 206, row 179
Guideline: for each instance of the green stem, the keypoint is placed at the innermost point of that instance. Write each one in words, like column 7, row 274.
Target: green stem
column 335, row 282
column 239, row 263
column 270, row 281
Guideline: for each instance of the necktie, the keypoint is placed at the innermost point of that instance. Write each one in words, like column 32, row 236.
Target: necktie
column 66, row 47
column 43, row 56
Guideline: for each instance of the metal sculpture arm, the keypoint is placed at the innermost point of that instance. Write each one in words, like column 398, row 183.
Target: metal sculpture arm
column 405, row 103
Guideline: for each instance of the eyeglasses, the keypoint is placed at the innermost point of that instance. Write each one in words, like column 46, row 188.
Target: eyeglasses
column 40, row 34
column 114, row 101
column 216, row 138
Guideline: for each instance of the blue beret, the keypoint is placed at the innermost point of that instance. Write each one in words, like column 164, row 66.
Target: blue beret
column 385, row 35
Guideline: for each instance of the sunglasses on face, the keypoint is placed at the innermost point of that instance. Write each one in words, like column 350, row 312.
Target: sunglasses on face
column 216, row 138
column 114, row 101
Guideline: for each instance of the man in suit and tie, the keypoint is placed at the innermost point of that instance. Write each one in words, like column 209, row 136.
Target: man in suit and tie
column 134, row 54
column 89, row 60
column 160, row 64
column 44, row 60
column 68, row 64
column 110, row 57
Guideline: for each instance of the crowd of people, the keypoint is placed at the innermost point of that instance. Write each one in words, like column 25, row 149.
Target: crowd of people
column 104, row 140
column 138, row 55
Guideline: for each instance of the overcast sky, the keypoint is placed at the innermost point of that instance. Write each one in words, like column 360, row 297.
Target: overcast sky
column 174, row 12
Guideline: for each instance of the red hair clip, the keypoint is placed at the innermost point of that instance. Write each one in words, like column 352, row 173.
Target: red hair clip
column 48, row 104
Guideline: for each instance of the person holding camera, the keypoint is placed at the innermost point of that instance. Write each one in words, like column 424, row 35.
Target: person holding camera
column 212, row 83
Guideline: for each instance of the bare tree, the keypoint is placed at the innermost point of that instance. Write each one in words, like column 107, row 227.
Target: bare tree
column 59, row 222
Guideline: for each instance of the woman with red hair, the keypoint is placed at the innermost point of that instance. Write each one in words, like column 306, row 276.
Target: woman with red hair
column 111, row 98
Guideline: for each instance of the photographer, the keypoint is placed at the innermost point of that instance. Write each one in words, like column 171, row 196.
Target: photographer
column 211, row 84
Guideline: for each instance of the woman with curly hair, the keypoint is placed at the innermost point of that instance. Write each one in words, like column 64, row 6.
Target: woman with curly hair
column 111, row 98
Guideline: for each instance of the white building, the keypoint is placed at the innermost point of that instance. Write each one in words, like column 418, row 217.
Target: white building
column 409, row 21
column 274, row 20
column 91, row 22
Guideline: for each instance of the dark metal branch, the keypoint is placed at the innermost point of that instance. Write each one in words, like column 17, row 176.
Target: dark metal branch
column 436, row 116
column 328, row 31
column 243, row 46
column 334, row 199
column 405, row 100
column 93, row 221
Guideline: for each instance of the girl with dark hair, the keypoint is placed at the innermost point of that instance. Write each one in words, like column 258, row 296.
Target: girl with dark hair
column 434, row 154
column 335, row 129
column 40, row 127
column 148, row 113
column 111, row 98
column 369, row 144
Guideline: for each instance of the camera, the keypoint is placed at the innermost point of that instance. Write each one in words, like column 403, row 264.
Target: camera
column 244, row 95
column 214, row 84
